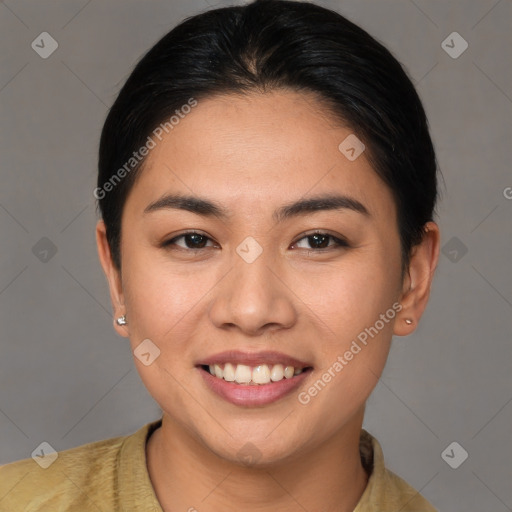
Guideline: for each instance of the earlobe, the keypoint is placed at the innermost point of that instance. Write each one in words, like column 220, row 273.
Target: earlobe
column 113, row 276
column 406, row 322
column 417, row 283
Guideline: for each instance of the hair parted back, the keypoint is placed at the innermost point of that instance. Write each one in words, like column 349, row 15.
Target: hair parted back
column 271, row 45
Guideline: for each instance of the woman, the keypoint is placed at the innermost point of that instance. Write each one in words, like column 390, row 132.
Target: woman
column 267, row 185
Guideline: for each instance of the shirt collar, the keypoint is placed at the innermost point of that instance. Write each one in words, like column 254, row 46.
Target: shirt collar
column 135, row 486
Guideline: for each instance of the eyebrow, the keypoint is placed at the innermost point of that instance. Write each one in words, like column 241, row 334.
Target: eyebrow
column 209, row 208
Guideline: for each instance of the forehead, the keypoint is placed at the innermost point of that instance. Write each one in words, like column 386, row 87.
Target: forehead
column 255, row 149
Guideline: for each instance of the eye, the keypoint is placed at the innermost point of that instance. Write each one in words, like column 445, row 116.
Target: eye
column 319, row 240
column 190, row 240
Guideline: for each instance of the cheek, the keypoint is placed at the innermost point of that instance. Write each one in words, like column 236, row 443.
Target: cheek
column 354, row 338
column 353, row 344
column 347, row 297
column 162, row 300
column 165, row 306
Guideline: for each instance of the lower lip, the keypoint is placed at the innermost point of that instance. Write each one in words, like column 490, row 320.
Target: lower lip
column 253, row 395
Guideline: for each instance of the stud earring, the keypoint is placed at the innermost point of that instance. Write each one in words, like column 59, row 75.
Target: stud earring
column 408, row 321
column 121, row 320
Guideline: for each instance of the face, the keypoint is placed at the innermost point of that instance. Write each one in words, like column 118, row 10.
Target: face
column 239, row 277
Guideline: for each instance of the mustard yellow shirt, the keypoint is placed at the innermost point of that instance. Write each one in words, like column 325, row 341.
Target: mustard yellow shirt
column 111, row 475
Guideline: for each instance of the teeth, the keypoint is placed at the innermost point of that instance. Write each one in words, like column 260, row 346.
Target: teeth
column 277, row 372
column 243, row 374
column 229, row 372
column 261, row 374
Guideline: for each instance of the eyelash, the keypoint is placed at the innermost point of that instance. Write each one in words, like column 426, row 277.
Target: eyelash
column 338, row 242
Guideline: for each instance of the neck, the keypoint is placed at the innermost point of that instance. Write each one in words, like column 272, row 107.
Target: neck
column 186, row 475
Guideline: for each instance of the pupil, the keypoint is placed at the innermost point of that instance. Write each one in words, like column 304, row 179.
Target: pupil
column 196, row 240
column 316, row 239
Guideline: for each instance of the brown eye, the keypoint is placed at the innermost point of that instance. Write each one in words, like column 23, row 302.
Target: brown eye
column 189, row 241
column 321, row 241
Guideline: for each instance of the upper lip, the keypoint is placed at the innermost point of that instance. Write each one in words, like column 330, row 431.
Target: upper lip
column 253, row 359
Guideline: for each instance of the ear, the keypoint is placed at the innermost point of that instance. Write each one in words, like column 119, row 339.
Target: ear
column 113, row 276
column 418, row 279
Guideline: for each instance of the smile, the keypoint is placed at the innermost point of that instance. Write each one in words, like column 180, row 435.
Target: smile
column 253, row 379
column 253, row 375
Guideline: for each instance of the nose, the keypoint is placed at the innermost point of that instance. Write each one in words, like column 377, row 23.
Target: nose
column 254, row 298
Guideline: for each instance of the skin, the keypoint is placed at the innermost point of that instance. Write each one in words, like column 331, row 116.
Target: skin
column 252, row 155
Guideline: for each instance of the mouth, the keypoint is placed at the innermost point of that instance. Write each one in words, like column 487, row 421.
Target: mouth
column 253, row 379
column 258, row 375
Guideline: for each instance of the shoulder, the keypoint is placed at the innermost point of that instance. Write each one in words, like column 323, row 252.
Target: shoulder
column 386, row 491
column 401, row 496
column 81, row 478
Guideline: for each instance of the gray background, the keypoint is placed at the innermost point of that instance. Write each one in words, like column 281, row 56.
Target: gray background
column 68, row 379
